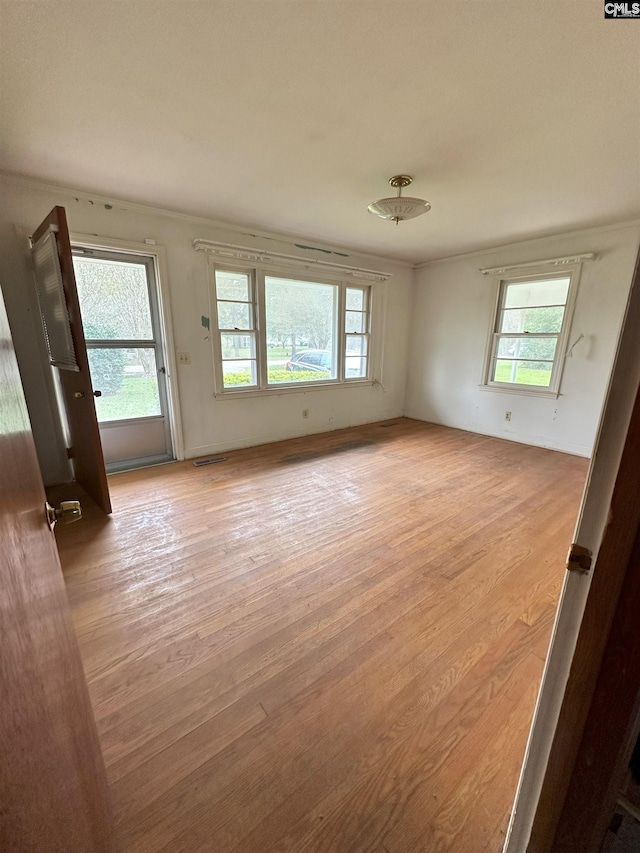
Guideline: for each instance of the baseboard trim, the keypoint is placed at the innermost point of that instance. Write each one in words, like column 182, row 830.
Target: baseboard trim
column 531, row 440
column 272, row 438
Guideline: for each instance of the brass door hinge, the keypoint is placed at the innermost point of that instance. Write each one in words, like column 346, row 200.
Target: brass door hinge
column 579, row 559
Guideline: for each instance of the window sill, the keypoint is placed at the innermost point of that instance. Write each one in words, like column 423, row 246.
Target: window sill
column 525, row 392
column 241, row 393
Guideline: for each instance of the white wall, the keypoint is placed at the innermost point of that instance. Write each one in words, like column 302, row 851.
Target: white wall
column 209, row 424
column 452, row 316
column 441, row 349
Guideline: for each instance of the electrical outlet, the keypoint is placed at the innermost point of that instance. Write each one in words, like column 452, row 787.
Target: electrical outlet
column 305, row 413
column 184, row 358
column 507, row 416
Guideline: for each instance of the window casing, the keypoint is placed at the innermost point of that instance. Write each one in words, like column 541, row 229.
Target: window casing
column 529, row 336
column 278, row 331
column 237, row 328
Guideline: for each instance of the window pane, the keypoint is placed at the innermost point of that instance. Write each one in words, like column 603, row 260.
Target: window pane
column 522, row 372
column 532, row 319
column 532, row 293
column 531, row 348
column 301, row 330
column 238, row 373
column 232, row 286
column 355, row 367
column 114, row 299
column 128, row 380
column 355, row 322
column 356, row 345
column 305, row 366
column 238, row 346
column 278, row 354
column 234, row 315
column 355, row 299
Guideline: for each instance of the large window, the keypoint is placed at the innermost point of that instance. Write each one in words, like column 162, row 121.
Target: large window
column 529, row 337
column 301, row 320
column 276, row 331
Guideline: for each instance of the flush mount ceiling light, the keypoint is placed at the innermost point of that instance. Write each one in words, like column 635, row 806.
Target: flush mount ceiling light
column 399, row 207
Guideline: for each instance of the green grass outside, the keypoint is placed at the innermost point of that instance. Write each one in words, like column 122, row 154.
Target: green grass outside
column 138, row 395
column 281, row 352
column 137, row 398
column 526, row 375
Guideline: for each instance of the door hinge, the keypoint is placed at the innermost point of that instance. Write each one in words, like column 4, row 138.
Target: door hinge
column 70, row 453
column 579, row 559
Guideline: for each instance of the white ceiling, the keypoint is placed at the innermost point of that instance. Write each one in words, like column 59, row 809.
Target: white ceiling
column 516, row 119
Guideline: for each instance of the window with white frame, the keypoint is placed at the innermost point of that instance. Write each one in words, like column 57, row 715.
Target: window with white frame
column 235, row 302
column 357, row 332
column 301, row 319
column 277, row 331
column 530, row 332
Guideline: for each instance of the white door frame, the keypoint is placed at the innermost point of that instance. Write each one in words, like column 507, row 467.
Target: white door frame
column 590, row 527
column 158, row 254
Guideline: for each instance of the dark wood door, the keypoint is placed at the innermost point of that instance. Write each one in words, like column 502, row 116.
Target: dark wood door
column 53, row 790
column 77, row 391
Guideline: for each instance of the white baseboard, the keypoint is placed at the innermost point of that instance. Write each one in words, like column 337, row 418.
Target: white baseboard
column 519, row 438
column 272, row 438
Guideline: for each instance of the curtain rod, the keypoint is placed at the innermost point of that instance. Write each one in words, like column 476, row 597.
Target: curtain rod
column 243, row 253
column 558, row 262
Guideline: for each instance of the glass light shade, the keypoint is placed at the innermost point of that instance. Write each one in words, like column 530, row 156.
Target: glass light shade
column 399, row 207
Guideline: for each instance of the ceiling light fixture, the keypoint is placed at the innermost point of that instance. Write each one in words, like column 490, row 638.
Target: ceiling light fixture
column 399, row 207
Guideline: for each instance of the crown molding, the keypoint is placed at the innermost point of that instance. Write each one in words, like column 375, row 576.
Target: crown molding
column 557, row 235
column 549, row 262
column 291, row 239
column 244, row 253
column 294, row 240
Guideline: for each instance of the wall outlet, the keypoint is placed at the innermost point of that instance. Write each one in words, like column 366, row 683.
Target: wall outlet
column 305, row 413
column 507, row 416
column 184, row 358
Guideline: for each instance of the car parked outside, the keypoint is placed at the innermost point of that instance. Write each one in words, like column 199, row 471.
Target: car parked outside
column 313, row 359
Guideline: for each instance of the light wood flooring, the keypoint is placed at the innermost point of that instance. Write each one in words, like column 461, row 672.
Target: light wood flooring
column 328, row 644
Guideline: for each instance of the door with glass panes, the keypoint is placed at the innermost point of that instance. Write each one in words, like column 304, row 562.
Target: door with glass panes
column 118, row 298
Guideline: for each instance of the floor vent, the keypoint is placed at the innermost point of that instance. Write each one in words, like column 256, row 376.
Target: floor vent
column 393, row 423
column 212, row 461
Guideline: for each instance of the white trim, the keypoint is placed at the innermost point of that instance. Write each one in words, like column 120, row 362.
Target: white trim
column 524, row 390
column 546, row 271
column 241, row 229
column 227, row 251
column 258, row 274
column 158, row 253
column 570, row 259
column 528, row 439
column 593, row 517
column 239, row 393
column 271, row 437
column 293, row 239
column 623, row 225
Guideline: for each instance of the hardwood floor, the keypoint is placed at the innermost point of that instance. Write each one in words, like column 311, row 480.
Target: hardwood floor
column 329, row 644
